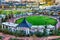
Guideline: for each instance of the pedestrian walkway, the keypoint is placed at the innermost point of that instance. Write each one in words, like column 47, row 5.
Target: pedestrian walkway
column 7, row 37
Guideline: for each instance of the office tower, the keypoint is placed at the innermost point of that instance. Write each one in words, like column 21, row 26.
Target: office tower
column 1, row 1
column 57, row 1
column 47, row 2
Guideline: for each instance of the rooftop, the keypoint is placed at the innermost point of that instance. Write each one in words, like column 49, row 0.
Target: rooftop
column 24, row 23
column 10, row 24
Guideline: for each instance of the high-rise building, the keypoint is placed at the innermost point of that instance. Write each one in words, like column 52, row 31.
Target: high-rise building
column 47, row 2
column 19, row 0
column 1, row 1
column 57, row 1
column 8, row 0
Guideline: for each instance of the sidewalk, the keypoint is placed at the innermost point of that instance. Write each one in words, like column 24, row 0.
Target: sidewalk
column 7, row 37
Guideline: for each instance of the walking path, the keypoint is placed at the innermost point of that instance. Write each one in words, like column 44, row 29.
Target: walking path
column 7, row 37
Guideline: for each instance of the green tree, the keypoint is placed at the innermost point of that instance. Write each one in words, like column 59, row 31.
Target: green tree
column 38, row 34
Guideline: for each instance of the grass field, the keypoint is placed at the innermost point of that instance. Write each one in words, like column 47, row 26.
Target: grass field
column 39, row 20
column 6, row 12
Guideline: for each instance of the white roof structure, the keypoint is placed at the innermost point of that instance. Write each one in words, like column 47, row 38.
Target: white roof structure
column 40, row 26
column 34, row 26
column 43, row 26
column 50, row 26
column 9, row 24
column 2, row 16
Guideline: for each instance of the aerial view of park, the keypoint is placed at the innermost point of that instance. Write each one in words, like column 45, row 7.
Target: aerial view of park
column 29, row 19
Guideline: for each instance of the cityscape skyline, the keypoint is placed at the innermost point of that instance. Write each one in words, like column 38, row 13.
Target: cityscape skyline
column 20, row 0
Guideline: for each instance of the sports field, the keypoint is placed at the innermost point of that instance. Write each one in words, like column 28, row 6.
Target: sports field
column 39, row 20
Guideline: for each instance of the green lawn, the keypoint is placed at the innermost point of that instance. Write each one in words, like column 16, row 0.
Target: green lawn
column 6, row 12
column 39, row 20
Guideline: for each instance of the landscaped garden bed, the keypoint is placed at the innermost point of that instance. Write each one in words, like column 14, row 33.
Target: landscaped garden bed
column 13, row 39
column 1, row 37
column 56, row 39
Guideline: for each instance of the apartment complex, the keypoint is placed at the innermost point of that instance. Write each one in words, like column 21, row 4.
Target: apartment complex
column 50, row 2
column 33, row 3
column 2, row 1
column 20, row 0
column 57, row 1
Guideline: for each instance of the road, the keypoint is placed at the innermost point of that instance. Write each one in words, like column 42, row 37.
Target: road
column 7, row 37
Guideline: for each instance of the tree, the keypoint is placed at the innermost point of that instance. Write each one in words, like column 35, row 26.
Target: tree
column 1, row 11
column 38, row 34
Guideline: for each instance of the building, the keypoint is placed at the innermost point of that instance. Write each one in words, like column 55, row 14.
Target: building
column 1, row 1
column 24, row 25
column 19, row 0
column 57, row 1
column 46, row 3
column 8, row 0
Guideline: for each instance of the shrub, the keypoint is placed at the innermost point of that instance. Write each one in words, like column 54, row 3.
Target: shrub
column 58, row 32
column 0, row 37
column 51, row 32
column 13, row 39
column 38, row 34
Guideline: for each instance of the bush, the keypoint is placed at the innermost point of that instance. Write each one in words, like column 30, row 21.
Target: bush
column 52, row 32
column 13, row 39
column 58, row 32
column 57, row 39
column 38, row 34
column 1, row 37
